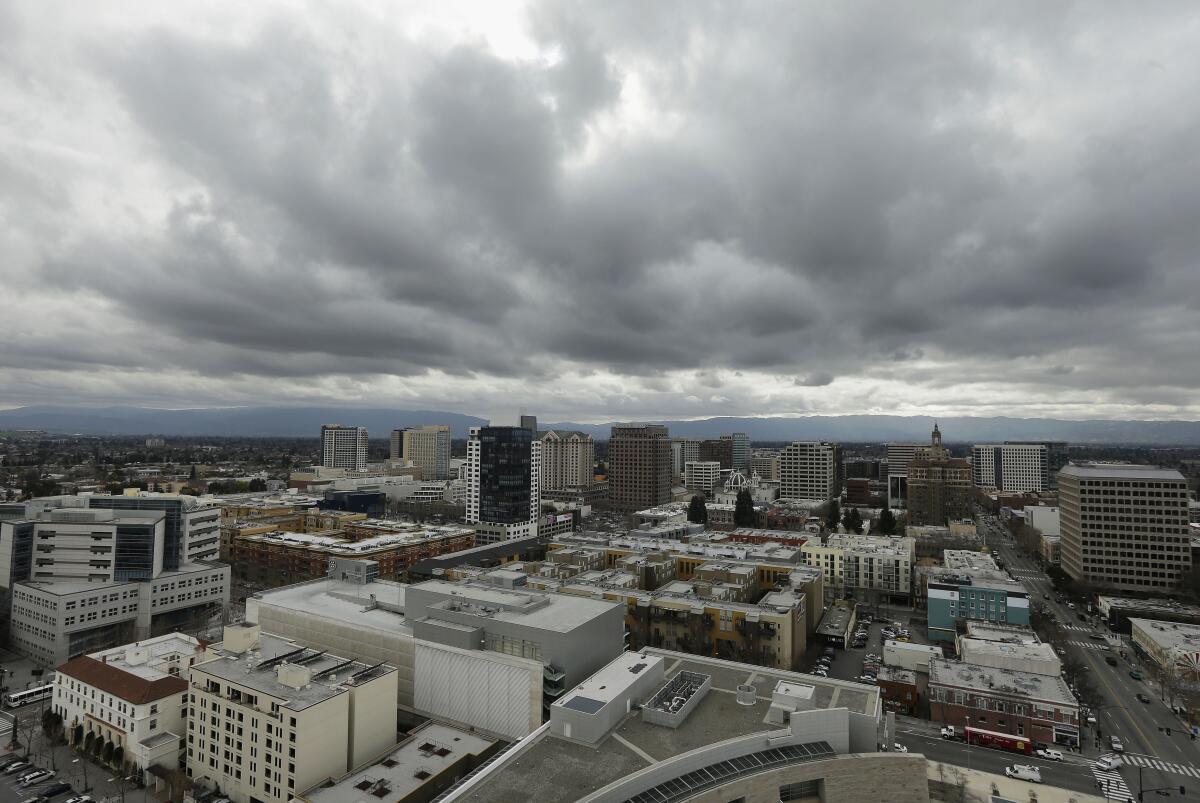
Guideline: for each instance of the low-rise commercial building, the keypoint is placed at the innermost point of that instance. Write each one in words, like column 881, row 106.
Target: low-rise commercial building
column 1037, row 658
column 1037, row 707
column 1119, row 611
column 705, row 730
column 898, row 689
column 129, row 701
column 868, row 568
column 972, row 596
column 1172, row 646
column 906, row 655
column 269, row 717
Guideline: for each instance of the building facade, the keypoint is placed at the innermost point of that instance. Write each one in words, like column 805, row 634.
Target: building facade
column 1124, row 526
column 717, row 450
column 344, row 447
column 503, row 485
column 1011, row 467
column 639, row 466
column 899, row 455
column 939, row 486
column 426, row 447
column 810, row 470
column 701, row 477
column 568, row 459
column 741, row 451
column 951, row 599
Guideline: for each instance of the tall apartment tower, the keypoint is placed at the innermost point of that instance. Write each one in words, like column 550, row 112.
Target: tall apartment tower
column 1015, row 467
column 701, row 477
column 568, row 459
column 810, row 470
column 503, row 482
column 428, row 447
column 899, row 455
column 939, row 486
column 344, row 447
column 1057, row 456
column 683, row 451
column 740, row 451
column 1124, row 526
column 639, row 466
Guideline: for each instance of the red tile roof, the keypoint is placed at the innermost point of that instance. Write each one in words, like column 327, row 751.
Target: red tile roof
column 119, row 683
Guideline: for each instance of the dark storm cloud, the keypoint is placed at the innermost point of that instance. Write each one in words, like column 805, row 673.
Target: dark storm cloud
column 966, row 195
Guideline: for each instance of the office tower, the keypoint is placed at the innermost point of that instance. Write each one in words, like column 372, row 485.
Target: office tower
column 503, row 484
column 396, row 444
column 1057, row 456
column 683, row 451
column 939, row 486
column 702, row 477
column 740, row 451
column 427, row 448
column 1015, row 467
column 344, row 447
column 899, row 455
column 529, row 422
column 639, row 466
column 810, row 470
column 765, row 464
column 193, row 525
column 568, row 459
column 719, row 450
column 1124, row 526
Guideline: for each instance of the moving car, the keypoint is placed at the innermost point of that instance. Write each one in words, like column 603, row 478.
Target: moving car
column 899, row 748
column 1142, row 698
column 1049, row 755
column 1111, row 762
column 78, row 799
column 948, row 732
column 1136, row 675
column 1024, row 772
column 1108, row 659
column 1116, row 745
column 1095, row 637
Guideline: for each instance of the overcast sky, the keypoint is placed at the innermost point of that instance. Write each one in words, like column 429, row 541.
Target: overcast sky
column 609, row 210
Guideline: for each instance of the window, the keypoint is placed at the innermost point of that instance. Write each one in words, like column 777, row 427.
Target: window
column 800, row 790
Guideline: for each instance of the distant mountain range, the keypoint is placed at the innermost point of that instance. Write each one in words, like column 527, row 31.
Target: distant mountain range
column 306, row 421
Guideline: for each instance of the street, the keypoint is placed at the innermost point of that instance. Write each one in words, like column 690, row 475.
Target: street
column 1163, row 761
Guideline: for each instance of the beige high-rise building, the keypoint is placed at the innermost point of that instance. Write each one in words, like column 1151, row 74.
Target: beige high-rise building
column 568, row 459
column 427, row 447
column 1124, row 526
column 810, row 470
column 639, row 466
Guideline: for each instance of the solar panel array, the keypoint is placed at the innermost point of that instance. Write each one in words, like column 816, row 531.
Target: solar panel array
column 693, row 783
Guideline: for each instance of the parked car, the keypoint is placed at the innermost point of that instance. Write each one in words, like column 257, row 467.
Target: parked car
column 1095, row 637
column 870, row 679
column 1024, row 772
column 16, row 766
column 1136, row 675
column 1116, row 745
column 55, row 789
column 1049, row 755
column 1108, row 762
column 36, row 778
column 1142, row 698
column 1071, row 605
column 899, row 748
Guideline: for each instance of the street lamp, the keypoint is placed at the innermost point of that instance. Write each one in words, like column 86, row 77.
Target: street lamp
column 83, row 768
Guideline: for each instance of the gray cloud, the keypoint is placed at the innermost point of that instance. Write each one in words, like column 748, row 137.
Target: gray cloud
column 625, row 210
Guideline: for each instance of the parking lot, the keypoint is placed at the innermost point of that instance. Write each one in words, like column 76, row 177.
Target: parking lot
column 11, row 790
column 847, row 664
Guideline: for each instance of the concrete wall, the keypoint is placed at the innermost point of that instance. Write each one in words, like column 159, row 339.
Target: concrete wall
column 894, row 777
column 497, row 693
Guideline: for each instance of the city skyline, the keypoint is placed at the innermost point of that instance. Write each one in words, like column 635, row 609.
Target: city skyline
column 602, row 212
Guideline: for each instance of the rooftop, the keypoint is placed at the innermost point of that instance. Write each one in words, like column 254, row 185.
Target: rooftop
column 553, row 770
column 969, row 559
column 1121, row 471
column 122, row 684
column 430, row 750
column 836, row 621
column 993, row 631
column 971, row 647
column 377, row 605
column 1048, row 688
column 258, row 669
column 143, row 658
column 559, row 612
column 1162, row 606
column 1168, row 635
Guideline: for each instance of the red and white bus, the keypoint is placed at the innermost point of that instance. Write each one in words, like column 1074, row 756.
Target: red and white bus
column 999, row 741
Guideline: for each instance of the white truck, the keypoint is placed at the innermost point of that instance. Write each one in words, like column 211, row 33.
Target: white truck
column 1109, row 762
column 1024, row 772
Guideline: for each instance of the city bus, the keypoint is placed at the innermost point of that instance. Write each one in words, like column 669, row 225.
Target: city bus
column 999, row 741
column 16, row 699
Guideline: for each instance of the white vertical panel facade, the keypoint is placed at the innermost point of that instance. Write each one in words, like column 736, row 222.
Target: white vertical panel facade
column 494, row 693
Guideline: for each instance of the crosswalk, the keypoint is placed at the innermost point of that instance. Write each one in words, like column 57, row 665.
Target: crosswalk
column 1112, row 785
column 5, row 729
column 1164, row 766
column 1090, row 645
column 1076, row 627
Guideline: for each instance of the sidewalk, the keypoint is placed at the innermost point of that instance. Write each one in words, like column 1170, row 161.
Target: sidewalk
column 978, row 787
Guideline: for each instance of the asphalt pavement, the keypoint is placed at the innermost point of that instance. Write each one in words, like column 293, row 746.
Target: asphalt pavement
column 1161, row 760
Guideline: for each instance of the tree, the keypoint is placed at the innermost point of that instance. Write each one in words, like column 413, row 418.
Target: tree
column 852, row 520
column 887, row 522
column 257, row 484
column 106, row 753
column 697, row 511
column 192, row 474
column 833, row 515
column 743, row 511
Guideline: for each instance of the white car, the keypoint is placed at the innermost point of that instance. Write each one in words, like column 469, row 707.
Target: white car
column 1024, row 772
column 899, row 748
column 1108, row 762
column 78, row 799
column 36, row 778
column 1052, row 755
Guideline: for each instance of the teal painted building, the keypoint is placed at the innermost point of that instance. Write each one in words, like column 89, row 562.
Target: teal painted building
column 953, row 598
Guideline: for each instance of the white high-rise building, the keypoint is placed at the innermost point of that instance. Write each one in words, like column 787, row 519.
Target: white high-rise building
column 809, row 470
column 344, row 447
column 503, row 483
column 899, row 455
column 683, row 451
column 568, row 459
column 702, row 477
column 1015, row 467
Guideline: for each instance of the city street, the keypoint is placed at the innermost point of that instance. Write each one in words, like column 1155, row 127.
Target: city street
column 1163, row 761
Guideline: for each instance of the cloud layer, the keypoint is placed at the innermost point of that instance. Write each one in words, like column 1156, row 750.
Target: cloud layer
column 603, row 210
